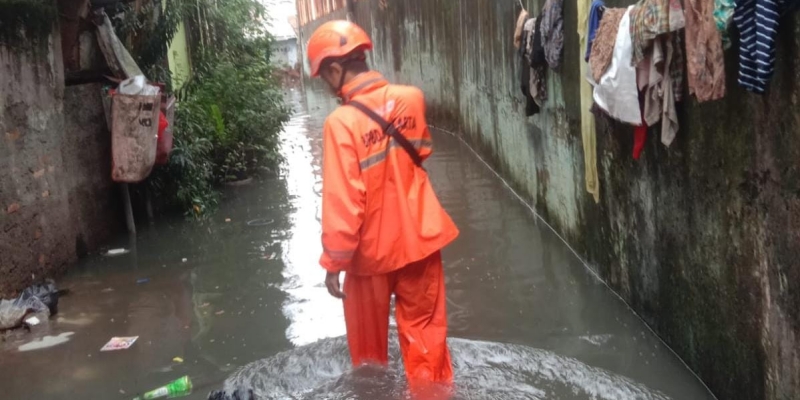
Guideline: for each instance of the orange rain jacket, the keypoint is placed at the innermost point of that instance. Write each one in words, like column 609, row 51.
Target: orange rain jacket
column 379, row 211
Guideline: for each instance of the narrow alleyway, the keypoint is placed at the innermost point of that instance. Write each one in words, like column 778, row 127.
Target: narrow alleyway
column 243, row 302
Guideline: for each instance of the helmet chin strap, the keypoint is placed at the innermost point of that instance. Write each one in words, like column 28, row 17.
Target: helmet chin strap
column 344, row 63
column 341, row 82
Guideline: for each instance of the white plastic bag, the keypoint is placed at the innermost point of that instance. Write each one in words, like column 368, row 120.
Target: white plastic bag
column 137, row 86
column 617, row 93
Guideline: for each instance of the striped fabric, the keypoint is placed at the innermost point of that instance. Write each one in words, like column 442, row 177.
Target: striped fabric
column 757, row 21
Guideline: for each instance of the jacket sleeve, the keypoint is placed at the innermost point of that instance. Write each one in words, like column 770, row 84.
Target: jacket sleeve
column 343, row 197
column 426, row 147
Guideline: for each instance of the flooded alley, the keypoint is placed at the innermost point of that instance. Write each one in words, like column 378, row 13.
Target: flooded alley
column 240, row 300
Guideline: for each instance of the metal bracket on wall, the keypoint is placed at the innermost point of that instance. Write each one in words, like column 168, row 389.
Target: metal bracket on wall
column 126, row 201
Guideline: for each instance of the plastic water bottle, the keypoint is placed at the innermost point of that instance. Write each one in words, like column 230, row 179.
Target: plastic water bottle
column 177, row 388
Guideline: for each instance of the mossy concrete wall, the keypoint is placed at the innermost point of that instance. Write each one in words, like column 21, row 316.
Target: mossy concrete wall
column 56, row 197
column 701, row 238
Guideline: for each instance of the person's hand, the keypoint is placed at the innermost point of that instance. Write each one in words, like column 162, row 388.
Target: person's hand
column 333, row 285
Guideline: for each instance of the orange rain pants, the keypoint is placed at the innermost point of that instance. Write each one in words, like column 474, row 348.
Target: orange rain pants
column 420, row 313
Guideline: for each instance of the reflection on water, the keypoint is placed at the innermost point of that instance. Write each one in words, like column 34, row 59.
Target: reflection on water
column 311, row 313
column 46, row 341
column 527, row 319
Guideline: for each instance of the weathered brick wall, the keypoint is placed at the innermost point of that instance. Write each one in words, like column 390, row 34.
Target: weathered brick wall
column 702, row 239
column 55, row 197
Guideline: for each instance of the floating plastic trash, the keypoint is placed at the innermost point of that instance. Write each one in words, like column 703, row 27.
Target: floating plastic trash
column 177, row 388
column 119, row 343
column 260, row 222
column 116, row 252
column 36, row 299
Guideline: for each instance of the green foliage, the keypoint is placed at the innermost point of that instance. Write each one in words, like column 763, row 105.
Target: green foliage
column 149, row 31
column 187, row 181
column 246, row 112
column 229, row 113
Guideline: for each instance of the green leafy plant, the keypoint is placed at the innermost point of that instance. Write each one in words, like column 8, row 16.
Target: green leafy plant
column 229, row 113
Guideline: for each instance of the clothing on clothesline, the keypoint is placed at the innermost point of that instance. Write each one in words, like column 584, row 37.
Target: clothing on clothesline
column 552, row 31
column 639, row 140
column 704, row 58
column 669, row 116
column 604, row 41
column 538, row 57
column 595, row 15
column 588, row 131
column 538, row 83
column 529, row 31
column 657, row 89
column 531, row 107
column 677, row 70
column 723, row 15
column 523, row 16
column 651, row 18
column 757, row 21
column 616, row 91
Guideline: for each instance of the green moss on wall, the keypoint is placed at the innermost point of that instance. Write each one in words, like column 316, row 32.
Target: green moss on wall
column 25, row 20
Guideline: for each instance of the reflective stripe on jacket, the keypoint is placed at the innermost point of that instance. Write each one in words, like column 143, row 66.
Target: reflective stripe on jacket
column 379, row 211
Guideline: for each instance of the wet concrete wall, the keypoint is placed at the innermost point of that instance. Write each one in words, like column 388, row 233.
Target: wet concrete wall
column 54, row 172
column 701, row 239
column 94, row 199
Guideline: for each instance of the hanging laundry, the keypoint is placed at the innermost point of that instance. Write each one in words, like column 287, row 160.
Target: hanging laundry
column 676, row 69
column 757, row 21
column 639, row 131
column 639, row 140
column 538, row 57
column 529, row 31
column 588, row 131
column 531, row 107
column 651, row 18
column 655, row 82
column 669, row 113
column 704, row 57
column 723, row 15
column 603, row 45
column 649, row 79
column 595, row 15
column 552, row 32
column 616, row 91
column 538, row 83
column 523, row 16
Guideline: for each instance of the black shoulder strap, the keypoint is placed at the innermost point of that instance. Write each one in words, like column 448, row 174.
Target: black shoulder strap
column 389, row 129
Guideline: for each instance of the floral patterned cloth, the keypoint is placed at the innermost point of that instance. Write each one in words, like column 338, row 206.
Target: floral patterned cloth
column 704, row 59
column 552, row 31
column 723, row 14
column 604, row 40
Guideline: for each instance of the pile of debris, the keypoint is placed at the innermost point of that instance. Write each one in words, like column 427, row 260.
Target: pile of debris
column 35, row 304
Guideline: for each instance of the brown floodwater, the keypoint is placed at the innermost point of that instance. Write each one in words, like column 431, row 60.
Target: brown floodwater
column 242, row 302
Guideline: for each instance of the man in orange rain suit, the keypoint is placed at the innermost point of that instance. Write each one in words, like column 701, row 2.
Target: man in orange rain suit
column 381, row 221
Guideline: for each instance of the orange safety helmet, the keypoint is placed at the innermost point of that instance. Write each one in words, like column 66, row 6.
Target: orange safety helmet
column 335, row 39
